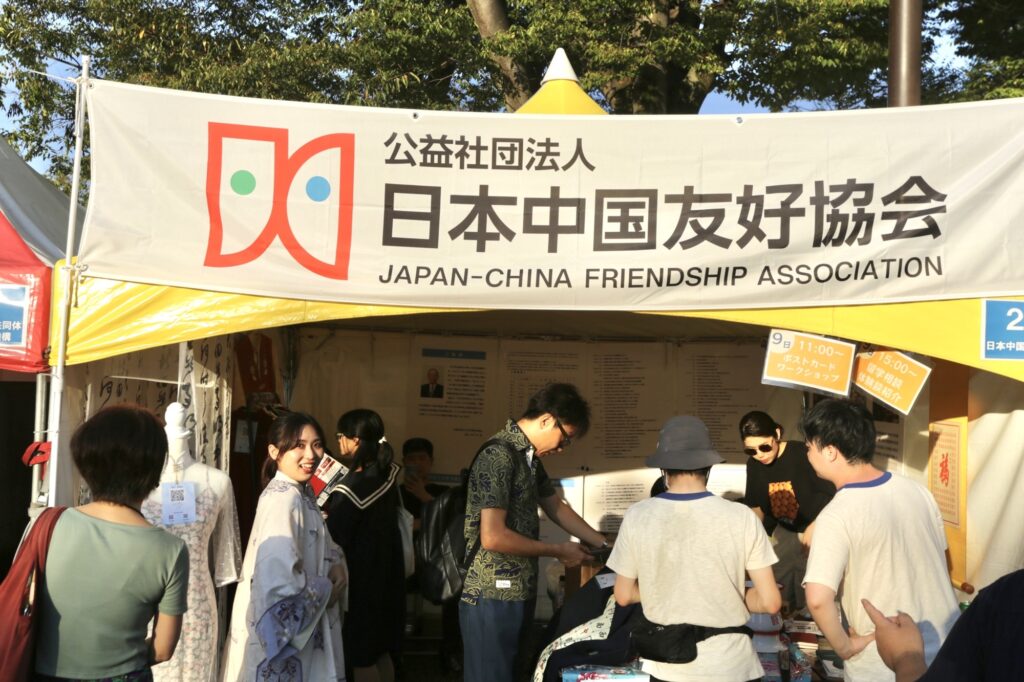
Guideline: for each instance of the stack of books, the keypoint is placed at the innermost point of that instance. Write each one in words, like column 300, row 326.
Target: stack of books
column 804, row 635
column 619, row 673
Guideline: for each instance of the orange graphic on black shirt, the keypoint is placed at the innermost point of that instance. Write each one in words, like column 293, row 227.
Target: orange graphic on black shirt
column 783, row 499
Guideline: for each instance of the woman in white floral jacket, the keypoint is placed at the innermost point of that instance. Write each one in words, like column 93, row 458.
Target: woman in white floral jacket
column 286, row 621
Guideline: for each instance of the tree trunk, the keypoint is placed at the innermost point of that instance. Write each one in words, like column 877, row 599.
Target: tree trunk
column 491, row 18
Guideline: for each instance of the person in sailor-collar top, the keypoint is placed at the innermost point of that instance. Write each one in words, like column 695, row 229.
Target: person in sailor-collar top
column 362, row 516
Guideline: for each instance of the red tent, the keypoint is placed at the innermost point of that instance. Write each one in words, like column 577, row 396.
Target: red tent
column 33, row 235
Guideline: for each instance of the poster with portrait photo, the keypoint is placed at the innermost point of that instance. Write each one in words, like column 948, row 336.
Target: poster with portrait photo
column 454, row 403
column 432, row 387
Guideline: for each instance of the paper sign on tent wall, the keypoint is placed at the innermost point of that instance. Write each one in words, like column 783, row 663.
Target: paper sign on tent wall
column 944, row 470
column 892, row 377
column 808, row 361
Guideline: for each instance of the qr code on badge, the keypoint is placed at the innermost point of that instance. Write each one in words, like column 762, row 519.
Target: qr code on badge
column 177, row 495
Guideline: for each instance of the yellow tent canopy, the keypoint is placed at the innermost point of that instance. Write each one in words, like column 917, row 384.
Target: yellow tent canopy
column 111, row 318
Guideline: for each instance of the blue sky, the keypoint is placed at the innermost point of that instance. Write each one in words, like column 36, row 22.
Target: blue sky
column 715, row 103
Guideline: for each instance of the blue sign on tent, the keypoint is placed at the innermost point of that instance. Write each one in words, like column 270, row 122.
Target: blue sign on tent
column 1003, row 326
column 13, row 315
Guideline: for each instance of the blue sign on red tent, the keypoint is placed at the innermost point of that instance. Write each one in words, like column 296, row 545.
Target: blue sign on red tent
column 1003, row 323
column 13, row 313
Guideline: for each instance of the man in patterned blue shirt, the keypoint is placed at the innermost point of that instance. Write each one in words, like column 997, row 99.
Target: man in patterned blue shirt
column 506, row 483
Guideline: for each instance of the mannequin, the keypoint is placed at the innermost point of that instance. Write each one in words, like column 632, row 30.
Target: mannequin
column 196, row 503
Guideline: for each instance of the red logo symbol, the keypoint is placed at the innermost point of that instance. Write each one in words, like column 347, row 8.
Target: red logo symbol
column 242, row 182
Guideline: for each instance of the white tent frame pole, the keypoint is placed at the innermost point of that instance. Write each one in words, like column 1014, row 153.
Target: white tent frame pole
column 39, row 432
column 67, row 280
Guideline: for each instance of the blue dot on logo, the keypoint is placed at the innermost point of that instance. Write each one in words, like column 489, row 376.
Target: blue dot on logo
column 318, row 189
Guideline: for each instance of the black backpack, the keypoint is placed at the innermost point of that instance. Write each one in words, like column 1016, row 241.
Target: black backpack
column 441, row 558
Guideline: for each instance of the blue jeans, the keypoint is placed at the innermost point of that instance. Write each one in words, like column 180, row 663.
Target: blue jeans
column 491, row 634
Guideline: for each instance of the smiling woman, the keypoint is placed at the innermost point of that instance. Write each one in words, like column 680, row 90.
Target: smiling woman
column 286, row 616
column 299, row 461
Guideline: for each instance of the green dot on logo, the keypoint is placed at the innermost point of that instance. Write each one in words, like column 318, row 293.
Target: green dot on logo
column 243, row 182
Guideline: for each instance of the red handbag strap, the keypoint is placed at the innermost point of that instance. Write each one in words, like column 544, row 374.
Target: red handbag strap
column 38, row 540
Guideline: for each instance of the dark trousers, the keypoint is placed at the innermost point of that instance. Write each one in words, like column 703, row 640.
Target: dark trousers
column 451, row 640
column 492, row 633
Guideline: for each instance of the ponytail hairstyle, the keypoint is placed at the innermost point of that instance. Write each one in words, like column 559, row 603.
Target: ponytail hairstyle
column 758, row 424
column 285, row 433
column 373, row 448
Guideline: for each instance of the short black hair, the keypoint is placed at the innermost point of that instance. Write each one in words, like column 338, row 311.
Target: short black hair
column 843, row 424
column 758, row 424
column 120, row 452
column 564, row 403
column 703, row 472
column 418, row 445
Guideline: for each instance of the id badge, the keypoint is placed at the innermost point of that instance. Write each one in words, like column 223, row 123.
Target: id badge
column 179, row 503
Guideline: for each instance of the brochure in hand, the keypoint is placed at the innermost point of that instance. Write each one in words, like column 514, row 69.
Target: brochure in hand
column 326, row 477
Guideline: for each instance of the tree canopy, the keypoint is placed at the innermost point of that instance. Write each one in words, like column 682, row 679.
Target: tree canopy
column 633, row 56
column 990, row 35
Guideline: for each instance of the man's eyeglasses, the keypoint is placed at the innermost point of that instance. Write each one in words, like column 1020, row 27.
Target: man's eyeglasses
column 763, row 447
column 566, row 438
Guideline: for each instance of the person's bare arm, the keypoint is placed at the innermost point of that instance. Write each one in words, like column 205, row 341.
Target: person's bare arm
column 805, row 537
column 899, row 642
column 626, row 591
column 166, row 631
column 821, row 602
column 495, row 536
column 559, row 511
column 764, row 596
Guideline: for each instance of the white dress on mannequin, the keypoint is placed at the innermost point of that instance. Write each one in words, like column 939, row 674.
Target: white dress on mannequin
column 215, row 529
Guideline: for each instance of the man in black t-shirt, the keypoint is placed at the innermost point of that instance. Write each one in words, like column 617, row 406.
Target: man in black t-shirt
column 786, row 491
column 786, row 494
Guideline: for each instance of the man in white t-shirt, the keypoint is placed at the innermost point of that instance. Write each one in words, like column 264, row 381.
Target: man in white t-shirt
column 684, row 555
column 880, row 538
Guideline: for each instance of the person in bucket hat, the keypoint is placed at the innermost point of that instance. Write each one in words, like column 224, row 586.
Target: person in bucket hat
column 685, row 555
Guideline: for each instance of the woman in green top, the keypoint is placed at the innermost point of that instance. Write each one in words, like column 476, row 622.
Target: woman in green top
column 108, row 571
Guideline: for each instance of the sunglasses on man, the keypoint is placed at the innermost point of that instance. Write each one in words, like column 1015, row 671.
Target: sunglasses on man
column 763, row 447
column 566, row 438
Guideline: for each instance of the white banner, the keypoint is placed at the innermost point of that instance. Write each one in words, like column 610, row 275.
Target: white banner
column 424, row 208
